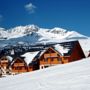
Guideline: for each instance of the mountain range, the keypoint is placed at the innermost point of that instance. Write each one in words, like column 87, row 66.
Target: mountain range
column 33, row 34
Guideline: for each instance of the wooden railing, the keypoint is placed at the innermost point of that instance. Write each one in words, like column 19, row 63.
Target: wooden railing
column 50, row 55
column 4, row 61
column 19, row 64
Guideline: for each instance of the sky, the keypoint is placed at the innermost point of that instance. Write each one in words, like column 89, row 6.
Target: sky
column 68, row 14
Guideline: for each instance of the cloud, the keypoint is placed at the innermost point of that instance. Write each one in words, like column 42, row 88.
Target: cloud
column 30, row 8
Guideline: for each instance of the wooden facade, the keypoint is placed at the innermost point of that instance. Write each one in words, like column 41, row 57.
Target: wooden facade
column 52, row 57
column 76, row 53
column 49, row 58
column 18, row 65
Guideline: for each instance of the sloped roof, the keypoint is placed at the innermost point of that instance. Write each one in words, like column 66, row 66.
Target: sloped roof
column 29, row 56
column 85, row 44
column 62, row 50
column 8, row 58
column 65, row 48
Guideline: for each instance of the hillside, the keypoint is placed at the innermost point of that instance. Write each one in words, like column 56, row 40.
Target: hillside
column 72, row 76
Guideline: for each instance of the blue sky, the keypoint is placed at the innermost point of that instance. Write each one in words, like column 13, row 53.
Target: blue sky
column 68, row 14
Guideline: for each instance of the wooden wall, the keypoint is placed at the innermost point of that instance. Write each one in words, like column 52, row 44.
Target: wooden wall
column 50, row 58
column 19, row 66
column 77, row 53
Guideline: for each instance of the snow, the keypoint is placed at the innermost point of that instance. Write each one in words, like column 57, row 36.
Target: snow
column 61, row 49
column 72, row 76
column 33, row 34
column 29, row 56
column 9, row 58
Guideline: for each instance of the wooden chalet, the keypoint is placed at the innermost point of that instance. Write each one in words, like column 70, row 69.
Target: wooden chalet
column 31, row 58
column 18, row 65
column 49, row 57
column 60, row 54
column 25, row 63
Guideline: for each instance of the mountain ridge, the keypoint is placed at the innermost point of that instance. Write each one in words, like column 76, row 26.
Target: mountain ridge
column 35, row 34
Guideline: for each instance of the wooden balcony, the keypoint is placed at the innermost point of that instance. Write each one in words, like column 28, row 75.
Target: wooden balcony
column 4, row 61
column 19, row 64
column 50, row 55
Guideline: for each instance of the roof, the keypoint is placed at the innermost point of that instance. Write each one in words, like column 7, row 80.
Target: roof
column 85, row 44
column 8, row 58
column 29, row 56
column 65, row 48
column 62, row 50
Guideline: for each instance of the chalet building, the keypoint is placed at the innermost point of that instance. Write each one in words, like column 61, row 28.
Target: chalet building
column 49, row 57
column 25, row 63
column 60, row 54
column 31, row 60
column 18, row 65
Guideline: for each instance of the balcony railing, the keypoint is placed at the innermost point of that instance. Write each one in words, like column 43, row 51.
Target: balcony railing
column 19, row 64
column 50, row 55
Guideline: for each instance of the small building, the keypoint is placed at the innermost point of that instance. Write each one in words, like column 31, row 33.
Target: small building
column 49, row 57
column 18, row 65
column 31, row 60
column 24, row 63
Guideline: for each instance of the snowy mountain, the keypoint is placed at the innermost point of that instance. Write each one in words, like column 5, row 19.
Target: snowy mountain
column 33, row 34
column 72, row 76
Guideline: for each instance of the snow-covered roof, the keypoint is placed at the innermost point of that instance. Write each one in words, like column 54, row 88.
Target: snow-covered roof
column 9, row 58
column 29, row 56
column 85, row 45
column 62, row 50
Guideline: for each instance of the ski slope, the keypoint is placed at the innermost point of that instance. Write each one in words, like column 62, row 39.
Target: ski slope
column 72, row 76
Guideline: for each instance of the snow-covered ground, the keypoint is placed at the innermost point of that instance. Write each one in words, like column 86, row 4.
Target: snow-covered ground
column 72, row 76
